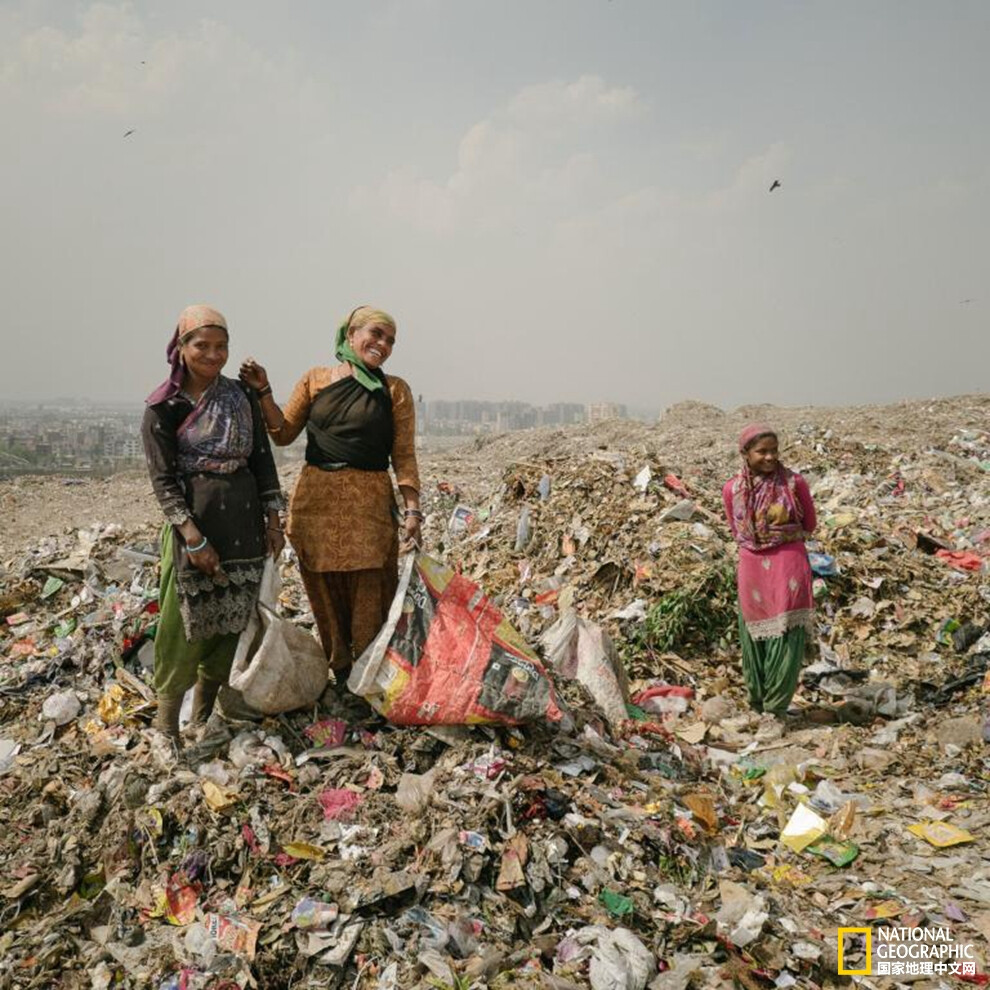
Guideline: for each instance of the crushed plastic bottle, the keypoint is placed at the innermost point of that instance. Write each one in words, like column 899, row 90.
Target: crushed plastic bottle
column 523, row 529
column 314, row 915
column 200, row 945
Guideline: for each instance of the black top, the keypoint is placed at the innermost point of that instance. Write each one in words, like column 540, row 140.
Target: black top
column 350, row 426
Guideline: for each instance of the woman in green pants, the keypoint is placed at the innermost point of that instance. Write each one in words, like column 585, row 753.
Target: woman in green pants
column 770, row 512
column 213, row 473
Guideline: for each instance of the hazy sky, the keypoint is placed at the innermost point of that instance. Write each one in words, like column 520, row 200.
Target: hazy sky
column 557, row 199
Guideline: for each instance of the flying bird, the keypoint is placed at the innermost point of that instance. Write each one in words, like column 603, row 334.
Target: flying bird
column 965, row 302
column 775, row 185
column 130, row 132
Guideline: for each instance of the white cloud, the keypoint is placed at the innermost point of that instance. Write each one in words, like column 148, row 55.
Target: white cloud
column 419, row 202
column 528, row 156
column 586, row 100
column 110, row 64
column 652, row 204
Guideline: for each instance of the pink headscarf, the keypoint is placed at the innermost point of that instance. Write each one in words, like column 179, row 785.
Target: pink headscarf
column 765, row 508
column 752, row 433
column 192, row 318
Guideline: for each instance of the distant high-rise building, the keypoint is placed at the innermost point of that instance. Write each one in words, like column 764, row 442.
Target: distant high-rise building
column 599, row 411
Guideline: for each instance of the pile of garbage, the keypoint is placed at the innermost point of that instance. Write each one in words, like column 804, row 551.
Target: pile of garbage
column 610, row 522
column 637, row 828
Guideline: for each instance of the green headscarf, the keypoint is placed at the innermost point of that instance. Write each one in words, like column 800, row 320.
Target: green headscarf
column 344, row 351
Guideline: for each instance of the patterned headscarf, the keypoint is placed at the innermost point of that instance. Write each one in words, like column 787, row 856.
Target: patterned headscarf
column 191, row 319
column 765, row 508
column 752, row 433
column 360, row 318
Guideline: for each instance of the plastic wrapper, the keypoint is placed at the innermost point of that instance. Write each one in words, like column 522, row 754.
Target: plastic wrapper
column 462, row 519
column 447, row 656
column 941, row 834
column 234, row 934
column 803, row 828
column 822, row 564
column 837, row 853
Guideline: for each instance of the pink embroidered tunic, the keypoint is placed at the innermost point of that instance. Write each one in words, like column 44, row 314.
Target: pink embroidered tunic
column 770, row 517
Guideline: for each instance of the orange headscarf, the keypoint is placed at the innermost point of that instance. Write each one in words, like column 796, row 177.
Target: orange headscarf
column 191, row 319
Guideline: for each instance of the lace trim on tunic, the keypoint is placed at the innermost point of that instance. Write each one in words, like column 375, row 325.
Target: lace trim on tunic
column 778, row 625
column 274, row 500
column 239, row 573
column 211, row 609
column 177, row 514
column 207, row 616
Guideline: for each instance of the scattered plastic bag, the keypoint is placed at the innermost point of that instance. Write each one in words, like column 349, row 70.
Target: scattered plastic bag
column 960, row 560
column 681, row 512
column 664, row 699
column 313, row 914
column 582, row 651
column 618, row 959
column 8, row 754
column 414, row 792
column 61, row 708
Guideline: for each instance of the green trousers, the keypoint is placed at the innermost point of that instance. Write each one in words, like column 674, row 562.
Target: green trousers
column 771, row 667
column 180, row 661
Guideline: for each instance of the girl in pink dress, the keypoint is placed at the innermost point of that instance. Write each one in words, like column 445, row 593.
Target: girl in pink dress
column 770, row 512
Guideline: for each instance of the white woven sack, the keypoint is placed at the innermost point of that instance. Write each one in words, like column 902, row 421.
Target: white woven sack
column 278, row 667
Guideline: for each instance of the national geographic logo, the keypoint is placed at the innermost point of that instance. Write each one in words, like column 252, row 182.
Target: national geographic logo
column 867, row 933
column 890, row 951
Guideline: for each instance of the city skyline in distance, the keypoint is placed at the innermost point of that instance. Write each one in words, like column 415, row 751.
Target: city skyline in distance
column 550, row 214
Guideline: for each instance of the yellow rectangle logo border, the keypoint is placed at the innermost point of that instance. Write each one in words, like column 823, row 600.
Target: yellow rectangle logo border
column 868, row 932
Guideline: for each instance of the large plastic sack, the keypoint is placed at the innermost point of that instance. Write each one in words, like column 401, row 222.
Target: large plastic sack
column 277, row 667
column 447, row 656
column 582, row 651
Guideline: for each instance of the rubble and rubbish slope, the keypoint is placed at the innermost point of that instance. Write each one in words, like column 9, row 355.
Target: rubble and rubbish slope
column 660, row 836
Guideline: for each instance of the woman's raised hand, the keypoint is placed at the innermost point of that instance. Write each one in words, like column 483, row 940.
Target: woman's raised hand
column 253, row 374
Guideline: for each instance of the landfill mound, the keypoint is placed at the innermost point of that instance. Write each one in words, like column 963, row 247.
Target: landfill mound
column 660, row 837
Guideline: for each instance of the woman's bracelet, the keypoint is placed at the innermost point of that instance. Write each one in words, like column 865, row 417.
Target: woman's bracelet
column 262, row 392
column 413, row 514
column 198, row 547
